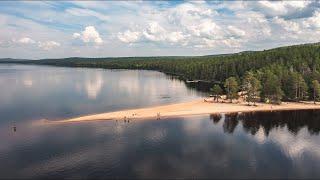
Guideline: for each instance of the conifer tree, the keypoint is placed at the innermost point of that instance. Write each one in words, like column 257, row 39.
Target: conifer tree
column 316, row 90
column 231, row 86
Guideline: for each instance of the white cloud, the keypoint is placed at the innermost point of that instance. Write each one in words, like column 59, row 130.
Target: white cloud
column 175, row 37
column 234, row 5
column 47, row 45
column 87, row 12
column 256, row 24
column 278, row 8
column 156, row 28
column 91, row 4
column 188, row 23
column 226, row 43
column 76, row 35
column 26, row 40
column 194, row 19
column 89, row 35
column 314, row 21
column 154, row 32
column 205, row 28
column 236, row 31
column 232, row 42
column 289, row 26
column 129, row 36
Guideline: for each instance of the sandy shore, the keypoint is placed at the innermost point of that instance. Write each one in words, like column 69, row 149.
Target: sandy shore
column 196, row 107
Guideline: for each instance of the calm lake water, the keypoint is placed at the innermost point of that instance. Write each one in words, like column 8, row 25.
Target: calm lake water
column 247, row 145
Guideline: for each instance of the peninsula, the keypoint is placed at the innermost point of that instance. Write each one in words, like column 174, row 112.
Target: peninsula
column 196, row 107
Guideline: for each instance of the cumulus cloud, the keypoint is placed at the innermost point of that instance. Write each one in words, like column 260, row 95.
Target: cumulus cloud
column 314, row 21
column 211, row 27
column 89, row 35
column 26, row 40
column 76, row 35
column 195, row 19
column 153, row 32
column 288, row 26
column 279, row 8
column 47, row 45
column 256, row 23
column 175, row 37
column 206, row 28
column 129, row 36
column 188, row 23
column 236, row 31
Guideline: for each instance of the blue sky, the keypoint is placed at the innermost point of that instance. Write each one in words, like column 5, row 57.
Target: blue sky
column 49, row 29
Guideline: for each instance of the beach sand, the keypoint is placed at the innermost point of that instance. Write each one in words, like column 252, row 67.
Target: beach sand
column 196, row 107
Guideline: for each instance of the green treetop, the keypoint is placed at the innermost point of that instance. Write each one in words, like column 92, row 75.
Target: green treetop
column 216, row 91
column 231, row 86
column 316, row 90
column 271, row 88
column 251, row 86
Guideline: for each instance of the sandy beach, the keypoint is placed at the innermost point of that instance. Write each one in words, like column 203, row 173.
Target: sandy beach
column 196, row 107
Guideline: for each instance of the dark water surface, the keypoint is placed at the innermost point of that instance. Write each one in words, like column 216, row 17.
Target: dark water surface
column 247, row 145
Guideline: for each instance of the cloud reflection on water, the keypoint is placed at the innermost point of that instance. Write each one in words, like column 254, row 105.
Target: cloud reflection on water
column 236, row 145
column 93, row 85
column 179, row 147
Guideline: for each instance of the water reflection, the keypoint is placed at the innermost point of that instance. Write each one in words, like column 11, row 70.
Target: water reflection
column 247, row 145
column 28, row 82
column 293, row 120
column 230, row 123
column 179, row 147
column 215, row 118
column 43, row 92
column 93, row 85
column 251, row 122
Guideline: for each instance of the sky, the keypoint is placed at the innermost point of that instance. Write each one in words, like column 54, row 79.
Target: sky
column 59, row 29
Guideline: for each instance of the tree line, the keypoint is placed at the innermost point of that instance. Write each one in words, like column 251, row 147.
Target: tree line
column 289, row 73
column 267, row 88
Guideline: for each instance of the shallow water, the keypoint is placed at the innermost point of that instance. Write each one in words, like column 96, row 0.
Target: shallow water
column 263, row 145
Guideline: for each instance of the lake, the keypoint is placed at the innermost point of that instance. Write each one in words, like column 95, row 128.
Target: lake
column 242, row 145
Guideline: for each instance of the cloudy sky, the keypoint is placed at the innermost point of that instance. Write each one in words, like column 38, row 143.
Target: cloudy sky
column 35, row 29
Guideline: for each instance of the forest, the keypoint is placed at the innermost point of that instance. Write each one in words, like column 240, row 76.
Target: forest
column 290, row 73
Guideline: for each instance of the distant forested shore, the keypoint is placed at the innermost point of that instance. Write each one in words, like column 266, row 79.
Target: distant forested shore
column 285, row 73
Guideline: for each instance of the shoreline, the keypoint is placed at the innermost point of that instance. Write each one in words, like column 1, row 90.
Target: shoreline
column 196, row 107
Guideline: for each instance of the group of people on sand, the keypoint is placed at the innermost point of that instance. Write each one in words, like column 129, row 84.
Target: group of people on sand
column 127, row 120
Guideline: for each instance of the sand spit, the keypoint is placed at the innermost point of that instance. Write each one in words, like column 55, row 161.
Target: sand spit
column 196, row 107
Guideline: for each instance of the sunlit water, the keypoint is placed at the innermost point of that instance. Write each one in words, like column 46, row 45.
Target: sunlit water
column 263, row 145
